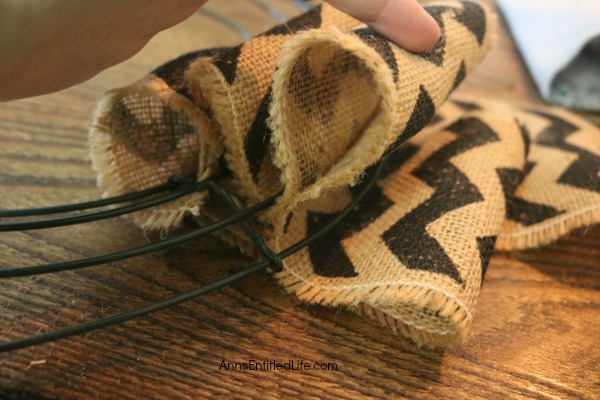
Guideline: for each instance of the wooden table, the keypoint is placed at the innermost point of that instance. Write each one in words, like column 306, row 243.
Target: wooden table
column 535, row 334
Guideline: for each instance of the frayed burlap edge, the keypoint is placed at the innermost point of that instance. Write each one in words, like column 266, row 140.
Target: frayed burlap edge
column 369, row 146
column 205, row 81
column 550, row 231
column 104, row 163
column 426, row 298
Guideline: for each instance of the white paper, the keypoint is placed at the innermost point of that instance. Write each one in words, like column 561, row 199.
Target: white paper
column 550, row 34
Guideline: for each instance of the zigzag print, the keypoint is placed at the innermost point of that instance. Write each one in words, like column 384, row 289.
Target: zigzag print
column 549, row 195
column 327, row 256
column 308, row 113
column 581, row 172
column 524, row 212
column 408, row 238
column 401, row 234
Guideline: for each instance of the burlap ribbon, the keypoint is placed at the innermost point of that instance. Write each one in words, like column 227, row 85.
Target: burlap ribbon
column 305, row 109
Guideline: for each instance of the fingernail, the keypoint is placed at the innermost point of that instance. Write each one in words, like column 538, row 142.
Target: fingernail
column 440, row 41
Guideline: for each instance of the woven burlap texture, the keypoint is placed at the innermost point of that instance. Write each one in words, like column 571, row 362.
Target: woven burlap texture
column 305, row 109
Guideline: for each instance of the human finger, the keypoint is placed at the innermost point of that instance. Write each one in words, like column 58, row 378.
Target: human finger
column 404, row 22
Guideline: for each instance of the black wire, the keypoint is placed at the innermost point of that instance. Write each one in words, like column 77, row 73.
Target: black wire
column 11, row 272
column 139, row 312
column 128, row 315
column 338, row 218
column 255, row 238
column 97, row 216
column 63, row 208
column 100, row 215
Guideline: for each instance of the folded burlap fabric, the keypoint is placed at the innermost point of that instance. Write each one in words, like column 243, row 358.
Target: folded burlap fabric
column 306, row 109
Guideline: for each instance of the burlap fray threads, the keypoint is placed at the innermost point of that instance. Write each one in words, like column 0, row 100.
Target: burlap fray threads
column 413, row 256
column 235, row 85
column 557, row 192
column 146, row 133
column 341, row 97
column 560, row 193
column 307, row 108
column 330, row 124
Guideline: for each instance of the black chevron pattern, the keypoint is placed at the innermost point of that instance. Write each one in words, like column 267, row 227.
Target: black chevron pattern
column 173, row 71
column 382, row 46
column 583, row 172
column 227, row 62
column 436, row 54
column 408, row 238
column 227, row 59
column 485, row 245
column 519, row 210
column 473, row 17
column 467, row 106
column 327, row 255
column 148, row 140
column 436, row 12
column 423, row 113
column 460, row 75
column 258, row 136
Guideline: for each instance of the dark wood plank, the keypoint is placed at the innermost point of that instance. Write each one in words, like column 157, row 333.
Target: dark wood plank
column 534, row 336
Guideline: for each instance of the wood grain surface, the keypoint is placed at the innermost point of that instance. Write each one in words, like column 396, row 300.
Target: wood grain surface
column 535, row 334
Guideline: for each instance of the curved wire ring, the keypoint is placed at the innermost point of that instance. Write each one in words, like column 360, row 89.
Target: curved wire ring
column 269, row 259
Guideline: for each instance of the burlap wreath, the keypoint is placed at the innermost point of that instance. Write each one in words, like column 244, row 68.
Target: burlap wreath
column 306, row 108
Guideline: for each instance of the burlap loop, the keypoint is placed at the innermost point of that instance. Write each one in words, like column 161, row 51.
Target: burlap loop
column 307, row 109
column 341, row 99
column 146, row 134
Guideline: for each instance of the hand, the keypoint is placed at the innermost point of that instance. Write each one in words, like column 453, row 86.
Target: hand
column 404, row 22
column 53, row 44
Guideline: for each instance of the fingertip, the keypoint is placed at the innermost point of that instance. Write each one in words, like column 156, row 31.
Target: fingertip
column 430, row 35
column 408, row 25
